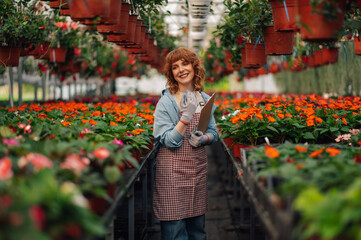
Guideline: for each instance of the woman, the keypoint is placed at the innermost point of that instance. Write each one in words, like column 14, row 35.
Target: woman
column 180, row 192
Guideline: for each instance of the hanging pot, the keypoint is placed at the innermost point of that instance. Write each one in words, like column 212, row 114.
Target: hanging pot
column 122, row 26
column 255, row 54
column 9, row 56
column 330, row 55
column 318, row 58
column 311, row 61
column 284, row 20
column 142, row 49
column 114, row 14
column 278, row 43
column 357, row 42
column 57, row 54
column 244, row 60
column 59, row 3
column 85, row 9
column 315, row 27
column 129, row 37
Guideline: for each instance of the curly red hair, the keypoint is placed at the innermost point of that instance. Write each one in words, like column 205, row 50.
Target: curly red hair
column 188, row 55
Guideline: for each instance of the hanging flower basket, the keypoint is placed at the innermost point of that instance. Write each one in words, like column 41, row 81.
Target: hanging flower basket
column 278, row 43
column 329, row 55
column 357, row 42
column 87, row 9
column 284, row 20
column 9, row 56
column 57, row 54
column 129, row 37
column 245, row 64
column 255, row 54
column 315, row 27
column 311, row 61
column 318, row 58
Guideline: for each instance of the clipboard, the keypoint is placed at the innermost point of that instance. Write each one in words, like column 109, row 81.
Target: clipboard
column 205, row 115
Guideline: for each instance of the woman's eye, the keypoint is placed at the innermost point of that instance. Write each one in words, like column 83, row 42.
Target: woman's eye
column 185, row 63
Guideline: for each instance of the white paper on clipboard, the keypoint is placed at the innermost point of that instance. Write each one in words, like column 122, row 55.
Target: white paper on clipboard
column 205, row 115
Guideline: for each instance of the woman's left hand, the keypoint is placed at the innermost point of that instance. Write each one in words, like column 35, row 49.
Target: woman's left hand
column 197, row 139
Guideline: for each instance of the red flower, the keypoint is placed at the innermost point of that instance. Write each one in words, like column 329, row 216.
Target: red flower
column 74, row 78
column 38, row 216
column 5, row 168
column 62, row 78
column 42, row 27
column 114, row 65
column 240, row 40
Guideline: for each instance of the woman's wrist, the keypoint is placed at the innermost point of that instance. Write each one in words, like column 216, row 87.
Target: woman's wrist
column 184, row 122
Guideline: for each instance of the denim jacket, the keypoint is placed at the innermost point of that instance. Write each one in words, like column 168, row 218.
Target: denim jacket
column 166, row 117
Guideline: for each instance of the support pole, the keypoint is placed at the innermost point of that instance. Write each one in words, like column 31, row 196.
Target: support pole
column 36, row 92
column 20, row 80
column 61, row 90
column 11, row 86
column 43, row 84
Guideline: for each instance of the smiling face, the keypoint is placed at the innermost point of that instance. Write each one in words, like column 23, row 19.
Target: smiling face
column 183, row 73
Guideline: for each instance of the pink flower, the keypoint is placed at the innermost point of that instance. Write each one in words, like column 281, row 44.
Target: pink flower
column 38, row 160
column 27, row 128
column 119, row 142
column 75, row 162
column 101, row 153
column 77, row 51
column 74, row 26
column 59, row 24
column 86, row 130
column 10, row 142
column 21, row 125
column 5, row 168
column 355, row 131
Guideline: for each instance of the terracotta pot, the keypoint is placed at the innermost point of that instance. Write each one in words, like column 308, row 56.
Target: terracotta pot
column 57, row 54
column 278, row 43
column 65, row 12
column 330, row 55
column 318, row 58
column 357, row 42
column 229, row 141
column 245, row 64
column 255, row 54
column 122, row 26
column 237, row 150
column 319, row 29
column 228, row 60
column 114, row 14
column 56, row 4
column 311, row 61
column 142, row 49
column 280, row 20
column 129, row 37
column 85, row 9
column 9, row 56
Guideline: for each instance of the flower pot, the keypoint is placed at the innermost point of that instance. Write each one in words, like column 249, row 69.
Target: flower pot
column 357, row 42
column 279, row 14
column 65, row 12
column 114, row 14
column 245, row 64
column 311, row 61
column 122, row 26
column 129, row 37
column 315, row 27
column 318, row 58
column 57, row 54
column 329, row 55
column 278, row 43
column 85, row 9
column 57, row 3
column 9, row 56
column 255, row 54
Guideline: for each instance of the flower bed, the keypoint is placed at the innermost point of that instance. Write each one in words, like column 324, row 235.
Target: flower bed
column 57, row 159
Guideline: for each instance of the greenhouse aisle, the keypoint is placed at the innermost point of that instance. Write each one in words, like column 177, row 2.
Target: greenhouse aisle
column 218, row 218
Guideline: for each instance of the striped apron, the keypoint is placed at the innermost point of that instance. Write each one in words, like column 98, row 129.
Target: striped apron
column 180, row 189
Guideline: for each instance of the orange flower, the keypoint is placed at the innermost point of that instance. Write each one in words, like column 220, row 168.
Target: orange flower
column 259, row 116
column 113, row 123
column 137, row 131
column 281, row 116
column 42, row 115
column 318, row 120
column 65, row 123
column 333, row 151
column 310, row 122
column 92, row 122
column 301, row 149
column 316, row 153
column 271, row 152
column 344, row 121
column 101, row 153
column 85, row 121
column 288, row 115
column 300, row 166
column 271, row 119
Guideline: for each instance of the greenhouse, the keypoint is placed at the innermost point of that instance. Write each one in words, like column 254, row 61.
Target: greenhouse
column 180, row 120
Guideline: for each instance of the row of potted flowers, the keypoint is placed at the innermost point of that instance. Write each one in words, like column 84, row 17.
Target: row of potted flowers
column 60, row 163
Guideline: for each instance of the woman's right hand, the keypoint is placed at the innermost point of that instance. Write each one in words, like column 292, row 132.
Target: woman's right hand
column 189, row 104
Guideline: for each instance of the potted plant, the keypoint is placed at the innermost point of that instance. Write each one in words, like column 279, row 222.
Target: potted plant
column 320, row 20
column 64, row 36
column 284, row 14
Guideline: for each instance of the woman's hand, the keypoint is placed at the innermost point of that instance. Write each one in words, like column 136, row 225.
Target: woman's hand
column 189, row 104
column 197, row 139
